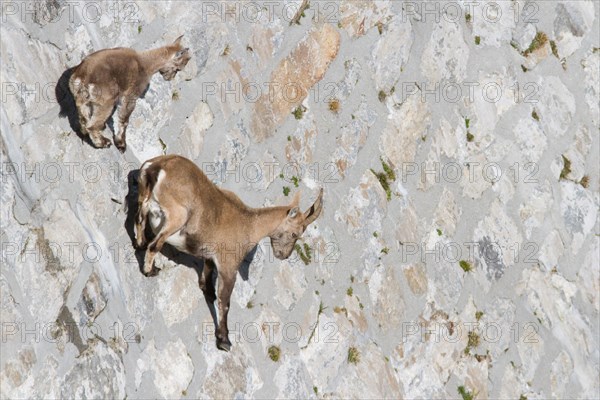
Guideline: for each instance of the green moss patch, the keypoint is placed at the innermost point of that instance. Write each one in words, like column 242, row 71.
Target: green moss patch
column 566, row 168
column 465, row 394
column 304, row 252
column 465, row 265
column 274, row 353
column 538, row 42
column 353, row 355
column 385, row 177
column 299, row 111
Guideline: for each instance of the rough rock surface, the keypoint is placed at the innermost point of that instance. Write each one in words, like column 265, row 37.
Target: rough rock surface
column 457, row 144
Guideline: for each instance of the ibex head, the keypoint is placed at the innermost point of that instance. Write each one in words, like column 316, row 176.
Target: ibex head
column 293, row 226
column 178, row 59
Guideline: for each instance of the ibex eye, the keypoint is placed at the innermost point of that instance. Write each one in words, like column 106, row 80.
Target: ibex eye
column 280, row 236
column 294, row 236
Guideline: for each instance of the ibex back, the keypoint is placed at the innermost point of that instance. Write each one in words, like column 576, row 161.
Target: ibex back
column 186, row 210
column 108, row 76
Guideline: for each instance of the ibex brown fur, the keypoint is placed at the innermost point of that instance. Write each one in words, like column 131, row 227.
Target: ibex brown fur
column 108, row 76
column 188, row 211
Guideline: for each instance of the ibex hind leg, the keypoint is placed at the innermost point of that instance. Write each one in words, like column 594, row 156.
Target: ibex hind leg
column 145, row 185
column 84, row 112
column 96, row 124
column 81, row 96
column 174, row 220
column 141, row 243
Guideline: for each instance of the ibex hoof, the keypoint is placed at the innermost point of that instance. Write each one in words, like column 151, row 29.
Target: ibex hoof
column 102, row 143
column 224, row 345
column 153, row 272
column 121, row 146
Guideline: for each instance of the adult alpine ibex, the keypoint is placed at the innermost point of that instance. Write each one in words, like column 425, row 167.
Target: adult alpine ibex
column 108, row 76
column 186, row 210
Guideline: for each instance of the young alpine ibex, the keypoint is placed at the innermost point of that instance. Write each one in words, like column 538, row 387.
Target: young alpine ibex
column 186, row 210
column 108, row 76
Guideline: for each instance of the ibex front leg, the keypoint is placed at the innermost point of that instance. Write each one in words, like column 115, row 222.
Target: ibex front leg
column 127, row 107
column 226, row 281
column 206, row 282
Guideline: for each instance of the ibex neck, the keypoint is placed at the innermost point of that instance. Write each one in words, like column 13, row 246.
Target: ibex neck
column 266, row 220
column 155, row 59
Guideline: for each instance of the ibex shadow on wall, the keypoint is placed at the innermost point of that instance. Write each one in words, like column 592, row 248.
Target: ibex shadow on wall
column 65, row 100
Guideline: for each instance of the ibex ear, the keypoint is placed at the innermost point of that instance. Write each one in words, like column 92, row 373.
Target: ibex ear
column 313, row 212
column 178, row 40
column 293, row 213
column 295, row 200
column 181, row 53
